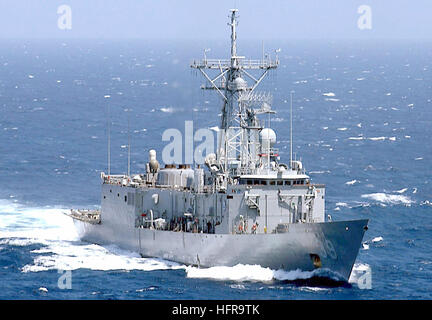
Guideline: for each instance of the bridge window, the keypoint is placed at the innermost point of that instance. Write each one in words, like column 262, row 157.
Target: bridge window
column 264, row 182
column 272, row 183
column 280, row 182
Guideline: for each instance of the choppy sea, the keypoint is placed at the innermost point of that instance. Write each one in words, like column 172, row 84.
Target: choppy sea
column 362, row 126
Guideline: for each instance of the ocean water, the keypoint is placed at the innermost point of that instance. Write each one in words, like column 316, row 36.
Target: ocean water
column 362, row 125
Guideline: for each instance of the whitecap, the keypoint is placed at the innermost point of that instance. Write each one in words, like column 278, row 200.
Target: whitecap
column 237, row 286
column 167, row 110
column 377, row 138
column 402, row 190
column 342, row 129
column 341, row 204
column 388, row 198
column 377, row 239
column 329, row 94
column 351, row 182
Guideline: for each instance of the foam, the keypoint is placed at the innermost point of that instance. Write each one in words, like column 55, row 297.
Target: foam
column 388, row 198
column 365, row 246
column 377, row 138
column 377, row 239
column 167, row 110
column 241, row 272
column 61, row 247
column 72, row 256
column 37, row 223
column 342, row 204
column 350, row 183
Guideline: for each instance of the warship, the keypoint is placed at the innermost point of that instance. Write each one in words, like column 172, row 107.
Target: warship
column 242, row 206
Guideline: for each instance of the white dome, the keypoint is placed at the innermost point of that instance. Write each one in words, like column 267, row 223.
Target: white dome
column 267, row 135
column 238, row 84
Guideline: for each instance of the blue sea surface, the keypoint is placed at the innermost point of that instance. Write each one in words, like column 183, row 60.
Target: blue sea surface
column 362, row 125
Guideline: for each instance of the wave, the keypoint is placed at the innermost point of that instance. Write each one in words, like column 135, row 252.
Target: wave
column 167, row 110
column 401, row 190
column 350, row 183
column 329, row 94
column 73, row 255
column 60, row 247
column 257, row 273
column 388, row 198
column 341, row 204
column 377, row 239
column 241, row 272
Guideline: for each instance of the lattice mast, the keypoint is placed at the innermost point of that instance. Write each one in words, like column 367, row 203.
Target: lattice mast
column 237, row 149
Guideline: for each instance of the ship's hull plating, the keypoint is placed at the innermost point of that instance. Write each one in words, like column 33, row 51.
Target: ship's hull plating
column 336, row 244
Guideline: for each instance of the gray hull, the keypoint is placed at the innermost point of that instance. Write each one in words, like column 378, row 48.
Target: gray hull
column 335, row 243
